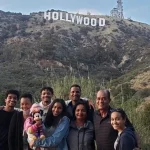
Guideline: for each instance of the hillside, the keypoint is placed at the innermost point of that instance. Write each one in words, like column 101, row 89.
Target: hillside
column 33, row 49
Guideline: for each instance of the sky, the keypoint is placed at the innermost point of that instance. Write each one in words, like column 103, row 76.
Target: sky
column 138, row 10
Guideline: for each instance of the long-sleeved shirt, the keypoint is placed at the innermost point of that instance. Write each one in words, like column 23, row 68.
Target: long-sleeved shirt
column 57, row 138
column 4, row 128
column 127, row 140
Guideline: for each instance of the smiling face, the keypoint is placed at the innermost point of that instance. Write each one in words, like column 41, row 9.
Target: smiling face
column 102, row 100
column 46, row 96
column 11, row 100
column 75, row 93
column 37, row 116
column 80, row 112
column 25, row 103
column 117, row 122
column 57, row 109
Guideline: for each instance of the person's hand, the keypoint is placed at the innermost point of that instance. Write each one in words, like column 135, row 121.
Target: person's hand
column 31, row 143
column 91, row 104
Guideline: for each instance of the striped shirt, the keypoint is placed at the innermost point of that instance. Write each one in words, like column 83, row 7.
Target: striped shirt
column 105, row 135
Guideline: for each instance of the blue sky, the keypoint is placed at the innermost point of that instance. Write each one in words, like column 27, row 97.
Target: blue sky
column 138, row 10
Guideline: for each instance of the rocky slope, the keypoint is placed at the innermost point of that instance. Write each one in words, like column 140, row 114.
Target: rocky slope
column 32, row 49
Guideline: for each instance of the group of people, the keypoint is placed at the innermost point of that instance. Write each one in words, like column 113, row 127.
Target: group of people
column 67, row 125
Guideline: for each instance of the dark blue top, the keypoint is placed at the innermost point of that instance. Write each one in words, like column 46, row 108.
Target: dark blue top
column 127, row 140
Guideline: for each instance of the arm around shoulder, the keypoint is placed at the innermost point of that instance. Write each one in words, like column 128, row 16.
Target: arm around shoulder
column 60, row 132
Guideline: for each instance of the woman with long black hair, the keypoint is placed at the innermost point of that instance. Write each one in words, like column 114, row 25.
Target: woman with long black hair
column 56, row 127
column 126, row 139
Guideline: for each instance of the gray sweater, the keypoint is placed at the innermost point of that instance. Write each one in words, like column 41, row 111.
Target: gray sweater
column 81, row 138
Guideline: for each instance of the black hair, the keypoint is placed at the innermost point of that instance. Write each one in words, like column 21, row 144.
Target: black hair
column 121, row 111
column 76, row 85
column 86, row 106
column 27, row 95
column 15, row 92
column 47, row 88
column 50, row 119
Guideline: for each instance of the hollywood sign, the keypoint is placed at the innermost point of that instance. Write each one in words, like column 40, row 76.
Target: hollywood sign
column 78, row 19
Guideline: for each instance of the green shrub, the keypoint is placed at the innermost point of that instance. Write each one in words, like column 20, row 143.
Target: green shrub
column 142, row 93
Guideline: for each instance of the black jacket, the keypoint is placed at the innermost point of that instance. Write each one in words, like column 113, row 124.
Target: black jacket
column 4, row 127
column 15, row 135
